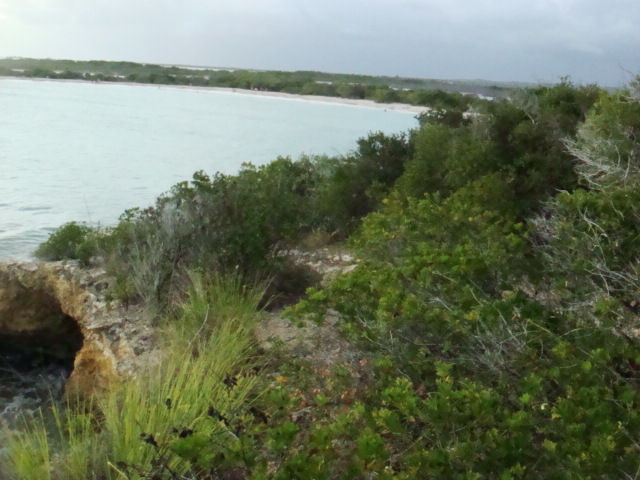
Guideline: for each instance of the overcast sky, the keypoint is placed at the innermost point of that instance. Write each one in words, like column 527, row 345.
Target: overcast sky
column 533, row 40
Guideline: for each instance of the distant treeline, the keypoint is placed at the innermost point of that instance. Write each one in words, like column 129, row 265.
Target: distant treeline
column 434, row 93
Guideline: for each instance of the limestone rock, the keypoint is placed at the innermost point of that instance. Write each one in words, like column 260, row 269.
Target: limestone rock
column 51, row 304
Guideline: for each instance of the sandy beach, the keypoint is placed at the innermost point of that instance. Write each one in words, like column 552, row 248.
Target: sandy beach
column 318, row 98
column 404, row 107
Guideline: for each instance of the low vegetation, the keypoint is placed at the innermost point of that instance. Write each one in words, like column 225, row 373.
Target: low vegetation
column 170, row 422
column 438, row 94
column 495, row 306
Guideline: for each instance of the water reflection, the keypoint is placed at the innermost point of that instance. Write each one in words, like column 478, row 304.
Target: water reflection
column 29, row 382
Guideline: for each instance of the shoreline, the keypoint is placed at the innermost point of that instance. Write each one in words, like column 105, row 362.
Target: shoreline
column 354, row 102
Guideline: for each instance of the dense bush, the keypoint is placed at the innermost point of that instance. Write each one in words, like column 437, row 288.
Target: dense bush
column 240, row 223
column 521, row 138
column 514, row 344
column 71, row 240
column 353, row 186
column 225, row 223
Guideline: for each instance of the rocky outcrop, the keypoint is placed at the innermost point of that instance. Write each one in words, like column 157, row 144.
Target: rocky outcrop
column 60, row 311
column 322, row 344
column 327, row 262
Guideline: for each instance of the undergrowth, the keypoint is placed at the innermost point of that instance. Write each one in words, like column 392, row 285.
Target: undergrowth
column 495, row 307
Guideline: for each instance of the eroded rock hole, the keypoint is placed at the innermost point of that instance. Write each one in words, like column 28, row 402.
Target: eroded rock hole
column 38, row 345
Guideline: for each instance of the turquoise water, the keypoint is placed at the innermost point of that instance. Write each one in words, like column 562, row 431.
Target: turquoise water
column 86, row 152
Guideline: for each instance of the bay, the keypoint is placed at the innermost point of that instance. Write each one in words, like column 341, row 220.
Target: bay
column 86, row 152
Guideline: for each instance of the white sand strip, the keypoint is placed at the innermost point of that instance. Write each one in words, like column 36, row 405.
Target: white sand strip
column 309, row 98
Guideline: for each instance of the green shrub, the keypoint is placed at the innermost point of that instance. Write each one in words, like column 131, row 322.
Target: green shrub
column 349, row 188
column 238, row 223
column 441, row 300
column 522, row 139
column 226, row 223
column 500, row 352
column 70, row 241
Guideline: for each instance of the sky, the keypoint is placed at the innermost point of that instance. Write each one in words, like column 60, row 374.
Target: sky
column 500, row 40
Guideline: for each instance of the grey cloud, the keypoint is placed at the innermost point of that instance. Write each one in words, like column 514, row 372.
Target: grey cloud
column 497, row 39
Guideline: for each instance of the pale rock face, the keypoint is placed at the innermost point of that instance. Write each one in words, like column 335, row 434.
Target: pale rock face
column 62, row 308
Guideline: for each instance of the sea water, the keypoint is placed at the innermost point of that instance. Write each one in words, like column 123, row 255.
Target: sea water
column 86, row 152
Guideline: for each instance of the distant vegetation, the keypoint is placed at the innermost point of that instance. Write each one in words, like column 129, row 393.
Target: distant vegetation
column 496, row 305
column 415, row 91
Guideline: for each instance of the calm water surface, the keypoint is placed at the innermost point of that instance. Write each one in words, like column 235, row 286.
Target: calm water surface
column 87, row 152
